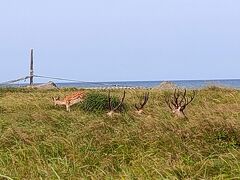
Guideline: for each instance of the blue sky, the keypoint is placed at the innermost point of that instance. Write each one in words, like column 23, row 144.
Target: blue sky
column 107, row 40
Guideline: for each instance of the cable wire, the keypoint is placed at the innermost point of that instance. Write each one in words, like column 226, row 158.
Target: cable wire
column 73, row 80
column 58, row 78
column 16, row 80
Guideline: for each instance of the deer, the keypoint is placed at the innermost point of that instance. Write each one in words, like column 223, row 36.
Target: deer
column 179, row 101
column 69, row 100
column 139, row 107
column 112, row 110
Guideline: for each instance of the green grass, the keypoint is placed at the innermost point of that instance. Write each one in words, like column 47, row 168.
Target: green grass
column 41, row 141
column 96, row 102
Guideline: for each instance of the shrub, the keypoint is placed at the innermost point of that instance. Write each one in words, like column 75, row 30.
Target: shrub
column 97, row 102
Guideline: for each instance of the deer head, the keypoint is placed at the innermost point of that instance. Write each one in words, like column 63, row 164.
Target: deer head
column 56, row 100
column 112, row 109
column 179, row 101
column 139, row 107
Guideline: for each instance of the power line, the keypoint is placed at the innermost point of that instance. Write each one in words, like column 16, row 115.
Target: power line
column 58, row 78
column 73, row 80
column 16, row 80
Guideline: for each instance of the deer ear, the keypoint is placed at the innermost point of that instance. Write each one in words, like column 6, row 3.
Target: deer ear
column 55, row 98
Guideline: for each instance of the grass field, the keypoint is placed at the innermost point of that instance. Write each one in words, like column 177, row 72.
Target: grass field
column 41, row 141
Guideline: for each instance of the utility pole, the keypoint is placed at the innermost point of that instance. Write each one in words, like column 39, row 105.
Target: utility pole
column 31, row 68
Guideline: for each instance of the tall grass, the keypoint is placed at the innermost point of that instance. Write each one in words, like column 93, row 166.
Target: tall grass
column 96, row 102
column 41, row 141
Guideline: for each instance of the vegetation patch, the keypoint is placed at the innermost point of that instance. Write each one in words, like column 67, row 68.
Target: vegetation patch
column 98, row 102
column 228, row 138
column 2, row 110
column 40, row 141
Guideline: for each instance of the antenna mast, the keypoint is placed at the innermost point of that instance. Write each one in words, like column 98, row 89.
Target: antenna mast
column 31, row 68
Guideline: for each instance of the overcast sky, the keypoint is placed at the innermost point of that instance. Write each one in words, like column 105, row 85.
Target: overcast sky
column 108, row 40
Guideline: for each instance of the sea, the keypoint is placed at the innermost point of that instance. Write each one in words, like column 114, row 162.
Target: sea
column 228, row 83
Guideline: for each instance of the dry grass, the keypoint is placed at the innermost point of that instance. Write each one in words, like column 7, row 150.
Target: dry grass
column 40, row 141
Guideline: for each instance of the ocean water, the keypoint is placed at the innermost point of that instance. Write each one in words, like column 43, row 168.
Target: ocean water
column 232, row 83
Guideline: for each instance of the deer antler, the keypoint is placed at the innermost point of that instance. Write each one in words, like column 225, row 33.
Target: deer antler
column 142, row 104
column 179, row 101
column 112, row 109
column 173, row 100
column 186, row 101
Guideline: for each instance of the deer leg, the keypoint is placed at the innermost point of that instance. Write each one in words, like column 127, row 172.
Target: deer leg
column 68, row 107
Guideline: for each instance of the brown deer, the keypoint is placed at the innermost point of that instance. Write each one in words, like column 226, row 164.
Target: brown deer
column 112, row 109
column 69, row 100
column 178, row 102
column 139, row 107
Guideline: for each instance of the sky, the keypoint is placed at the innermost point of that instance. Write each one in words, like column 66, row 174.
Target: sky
column 121, row 40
